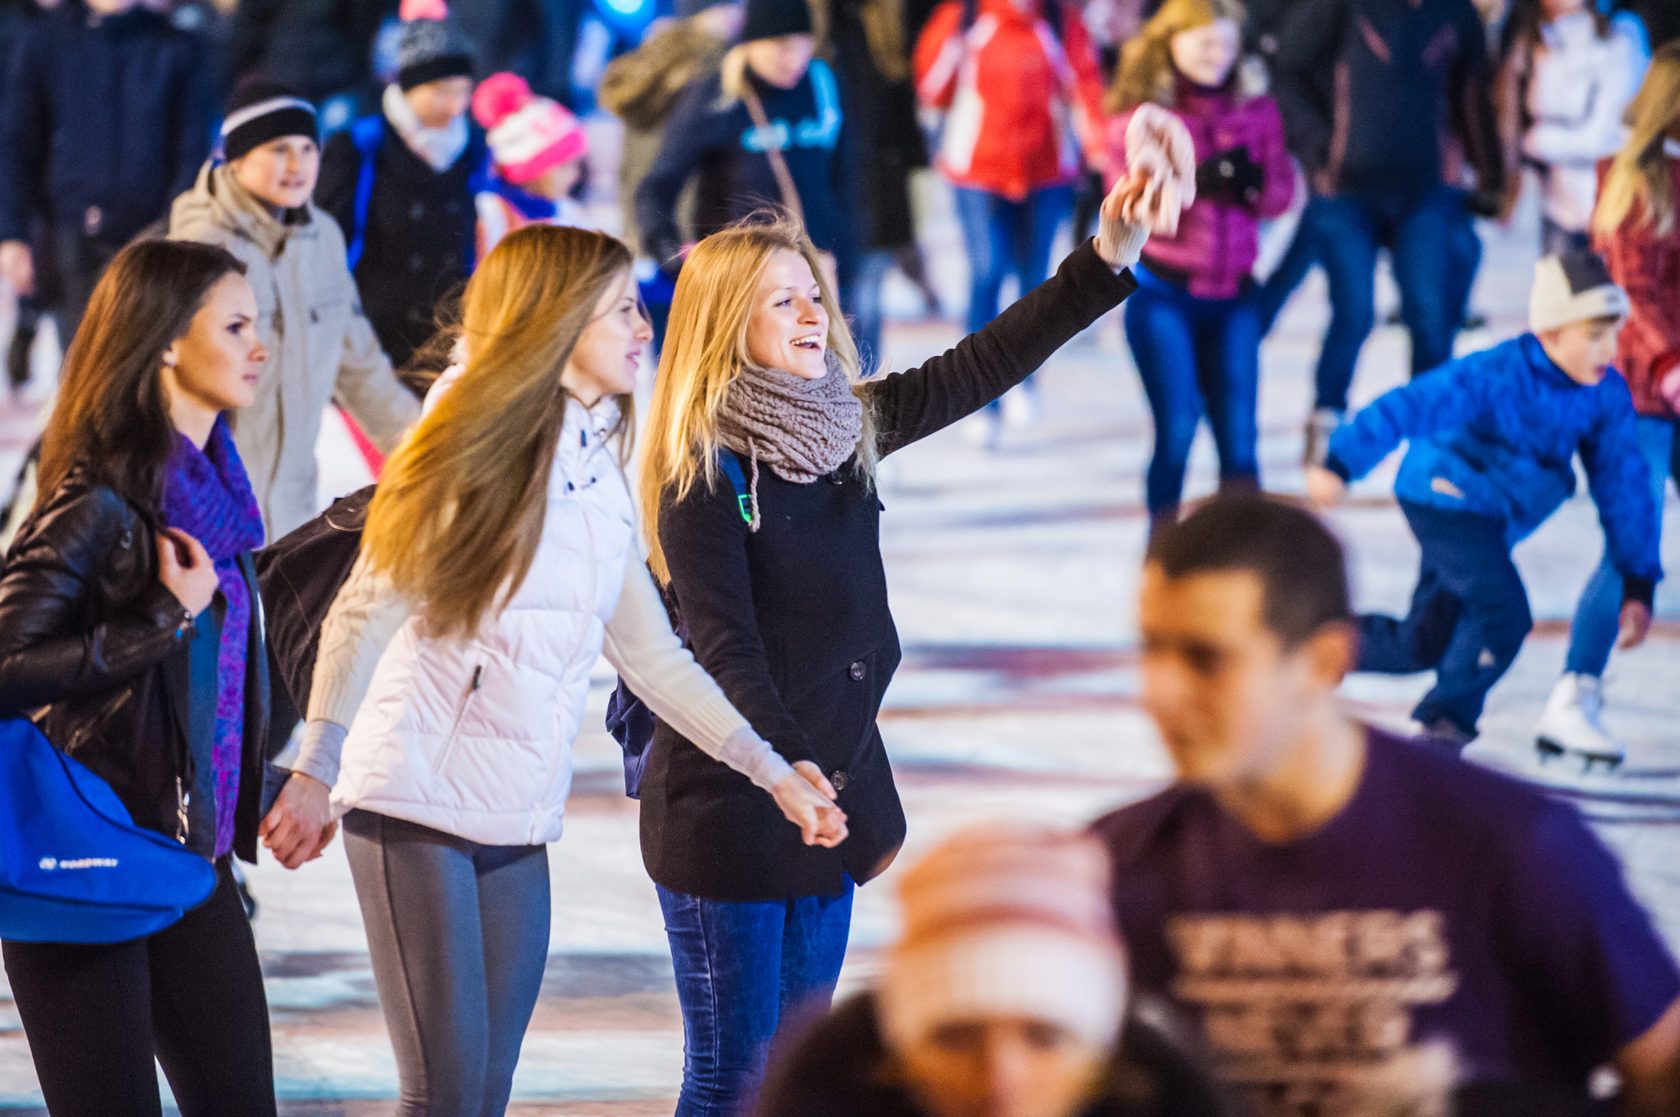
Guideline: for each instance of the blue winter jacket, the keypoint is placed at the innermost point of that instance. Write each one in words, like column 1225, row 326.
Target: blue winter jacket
column 1496, row 433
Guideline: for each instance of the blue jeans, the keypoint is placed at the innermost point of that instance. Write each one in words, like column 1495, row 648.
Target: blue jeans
column 744, row 969
column 1007, row 238
column 1297, row 260
column 1592, row 635
column 1435, row 252
column 1468, row 619
column 1194, row 356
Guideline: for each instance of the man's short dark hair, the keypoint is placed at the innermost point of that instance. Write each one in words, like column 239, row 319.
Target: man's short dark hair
column 1302, row 571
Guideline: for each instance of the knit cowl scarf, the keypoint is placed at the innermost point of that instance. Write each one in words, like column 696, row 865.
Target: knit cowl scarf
column 802, row 429
column 207, row 495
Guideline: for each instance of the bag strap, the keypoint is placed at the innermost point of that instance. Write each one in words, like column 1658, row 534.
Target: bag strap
column 366, row 134
column 778, row 165
column 730, row 462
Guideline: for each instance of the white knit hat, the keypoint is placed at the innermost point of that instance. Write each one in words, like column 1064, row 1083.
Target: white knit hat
column 1006, row 921
column 1573, row 288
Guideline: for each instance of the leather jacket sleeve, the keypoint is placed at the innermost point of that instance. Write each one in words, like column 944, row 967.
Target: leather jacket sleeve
column 55, row 644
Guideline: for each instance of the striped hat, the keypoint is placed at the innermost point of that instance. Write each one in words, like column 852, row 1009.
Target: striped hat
column 260, row 111
column 528, row 135
column 1006, row 920
column 430, row 47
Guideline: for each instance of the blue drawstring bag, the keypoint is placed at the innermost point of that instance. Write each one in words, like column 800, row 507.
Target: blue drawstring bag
column 629, row 721
column 73, row 865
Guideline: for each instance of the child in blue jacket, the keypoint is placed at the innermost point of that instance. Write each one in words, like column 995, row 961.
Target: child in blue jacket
column 1493, row 439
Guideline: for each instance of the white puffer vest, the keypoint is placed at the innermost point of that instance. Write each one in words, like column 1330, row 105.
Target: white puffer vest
column 474, row 737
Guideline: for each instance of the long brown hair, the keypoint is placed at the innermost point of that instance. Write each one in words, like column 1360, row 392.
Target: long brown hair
column 112, row 416
column 1639, row 175
column 706, row 349
column 460, row 507
column 1146, row 73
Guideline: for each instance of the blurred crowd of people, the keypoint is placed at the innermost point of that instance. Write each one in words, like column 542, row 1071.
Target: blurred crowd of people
column 236, row 217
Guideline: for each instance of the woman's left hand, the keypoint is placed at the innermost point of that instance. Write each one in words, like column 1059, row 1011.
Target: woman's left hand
column 1159, row 183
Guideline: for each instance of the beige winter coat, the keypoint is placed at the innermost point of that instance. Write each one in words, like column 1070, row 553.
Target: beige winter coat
column 320, row 345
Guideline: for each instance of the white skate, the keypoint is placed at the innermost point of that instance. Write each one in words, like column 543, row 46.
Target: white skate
column 1572, row 725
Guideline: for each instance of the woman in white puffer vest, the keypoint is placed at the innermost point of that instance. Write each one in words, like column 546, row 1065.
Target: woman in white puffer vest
column 500, row 560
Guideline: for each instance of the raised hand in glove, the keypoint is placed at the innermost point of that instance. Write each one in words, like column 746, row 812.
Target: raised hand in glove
column 1230, row 176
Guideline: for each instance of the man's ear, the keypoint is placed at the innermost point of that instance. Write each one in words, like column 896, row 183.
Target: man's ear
column 1332, row 653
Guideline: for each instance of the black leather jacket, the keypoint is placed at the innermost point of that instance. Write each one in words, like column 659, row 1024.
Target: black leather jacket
column 97, row 651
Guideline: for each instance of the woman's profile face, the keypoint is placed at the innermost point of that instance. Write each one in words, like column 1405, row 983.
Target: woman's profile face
column 788, row 328
column 608, row 354
column 217, row 363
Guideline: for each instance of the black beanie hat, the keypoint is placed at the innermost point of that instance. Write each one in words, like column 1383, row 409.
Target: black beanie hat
column 260, row 111
column 431, row 50
column 771, row 19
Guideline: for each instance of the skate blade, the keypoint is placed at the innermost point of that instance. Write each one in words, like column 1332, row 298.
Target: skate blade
column 1551, row 750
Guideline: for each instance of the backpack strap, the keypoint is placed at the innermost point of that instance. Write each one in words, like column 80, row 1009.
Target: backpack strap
column 366, row 134
column 730, row 462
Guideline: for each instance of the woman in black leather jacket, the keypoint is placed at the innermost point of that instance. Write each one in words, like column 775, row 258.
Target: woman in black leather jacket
column 130, row 629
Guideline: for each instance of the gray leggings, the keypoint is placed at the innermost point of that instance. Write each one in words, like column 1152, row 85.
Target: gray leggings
column 459, row 936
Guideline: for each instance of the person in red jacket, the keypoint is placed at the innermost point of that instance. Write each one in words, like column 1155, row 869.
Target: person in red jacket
column 1018, row 83
column 1636, row 228
column 1193, row 325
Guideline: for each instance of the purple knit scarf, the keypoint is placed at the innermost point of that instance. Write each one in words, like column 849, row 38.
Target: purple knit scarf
column 207, row 495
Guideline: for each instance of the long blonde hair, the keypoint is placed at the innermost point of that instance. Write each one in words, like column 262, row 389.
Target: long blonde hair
column 706, row 349
column 1146, row 73
column 1639, row 174
column 460, row 506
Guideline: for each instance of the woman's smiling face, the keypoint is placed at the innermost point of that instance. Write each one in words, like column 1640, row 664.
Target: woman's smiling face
column 788, row 329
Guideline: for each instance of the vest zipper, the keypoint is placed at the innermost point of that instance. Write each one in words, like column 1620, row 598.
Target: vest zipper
column 460, row 713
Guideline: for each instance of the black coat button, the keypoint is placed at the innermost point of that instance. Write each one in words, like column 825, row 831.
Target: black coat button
column 839, row 779
column 858, row 671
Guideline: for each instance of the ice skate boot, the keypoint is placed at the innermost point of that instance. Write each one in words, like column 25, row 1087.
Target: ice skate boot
column 1572, row 725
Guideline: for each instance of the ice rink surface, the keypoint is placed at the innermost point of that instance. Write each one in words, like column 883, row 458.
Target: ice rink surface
column 1013, row 579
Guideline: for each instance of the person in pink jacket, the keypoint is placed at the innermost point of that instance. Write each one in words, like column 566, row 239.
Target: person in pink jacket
column 1018, row 83
column 1193, row 325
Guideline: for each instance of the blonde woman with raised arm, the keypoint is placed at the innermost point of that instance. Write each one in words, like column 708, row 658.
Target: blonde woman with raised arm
column 500, row 560
column 785, row 597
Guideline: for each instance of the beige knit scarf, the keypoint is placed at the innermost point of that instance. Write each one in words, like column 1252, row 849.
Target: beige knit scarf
column 802, row 429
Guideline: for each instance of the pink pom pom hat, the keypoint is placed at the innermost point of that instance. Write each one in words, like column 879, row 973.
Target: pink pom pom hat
column 528, row 135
